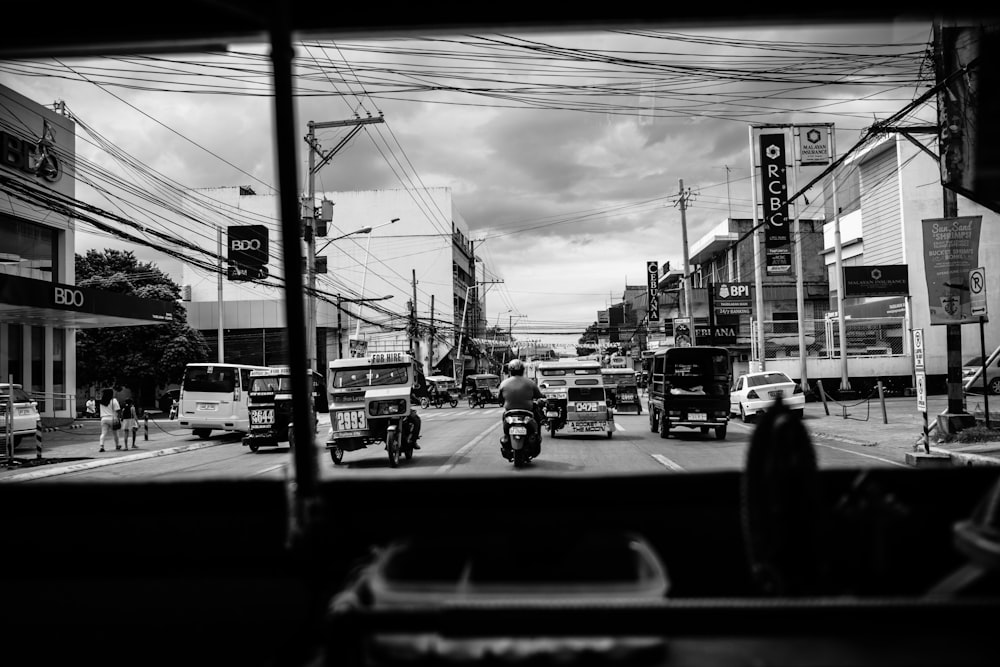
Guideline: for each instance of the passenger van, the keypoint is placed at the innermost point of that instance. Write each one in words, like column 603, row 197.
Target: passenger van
column 689, row 387
column 215, row 397
column 575, row 396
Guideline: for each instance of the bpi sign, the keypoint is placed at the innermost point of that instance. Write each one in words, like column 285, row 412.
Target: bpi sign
column 732, row 299
column 248, row 246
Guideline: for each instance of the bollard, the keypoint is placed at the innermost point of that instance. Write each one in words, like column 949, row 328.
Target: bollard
column 881, row 398
column 145, row 427
column 38, row 439
column 822, row 395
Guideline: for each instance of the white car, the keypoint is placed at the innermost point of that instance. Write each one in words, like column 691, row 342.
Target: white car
column 754, row 393
column 25, row 414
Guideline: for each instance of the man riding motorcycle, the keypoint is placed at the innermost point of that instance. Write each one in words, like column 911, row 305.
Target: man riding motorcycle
column 518, row 393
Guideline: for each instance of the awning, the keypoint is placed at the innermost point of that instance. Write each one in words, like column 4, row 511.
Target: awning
column 43, row 303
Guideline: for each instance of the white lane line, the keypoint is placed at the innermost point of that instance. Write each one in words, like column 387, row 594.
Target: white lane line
column 668, row 463
column 454, row 458
column 619, row 427
column 867, row 456
column 267, row 470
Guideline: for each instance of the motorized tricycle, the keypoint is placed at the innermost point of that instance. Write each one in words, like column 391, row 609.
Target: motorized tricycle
column 441, row 389
column 622, row 390
column 575, row 397
column 270, row 407
column 371, row 404
column 482, row 389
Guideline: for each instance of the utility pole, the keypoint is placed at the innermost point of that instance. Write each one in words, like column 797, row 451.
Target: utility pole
column 414, row 331
column 683, row 197
column 309, row 215
column 430, row 339
column 222, row 356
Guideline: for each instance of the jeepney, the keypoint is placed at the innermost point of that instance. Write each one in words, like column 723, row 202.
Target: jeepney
column 622, row 390
column 690, row 387
column 371, row 403
column 575, row 397
column 270, row 407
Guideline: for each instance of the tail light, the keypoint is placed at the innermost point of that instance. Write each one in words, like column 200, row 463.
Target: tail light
column 798, row 388
column 752, row 394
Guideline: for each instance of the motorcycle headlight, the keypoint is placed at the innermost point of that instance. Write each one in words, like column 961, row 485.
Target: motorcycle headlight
column 382, row 408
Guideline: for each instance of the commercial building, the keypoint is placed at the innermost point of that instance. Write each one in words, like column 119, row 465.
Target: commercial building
column 41, row 307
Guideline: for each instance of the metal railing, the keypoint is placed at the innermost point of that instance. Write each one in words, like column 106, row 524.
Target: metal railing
column 865, row 337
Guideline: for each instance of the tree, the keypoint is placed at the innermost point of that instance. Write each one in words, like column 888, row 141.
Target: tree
column 134, row 356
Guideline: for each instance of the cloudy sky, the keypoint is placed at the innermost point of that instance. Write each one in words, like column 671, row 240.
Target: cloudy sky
column 564, row 151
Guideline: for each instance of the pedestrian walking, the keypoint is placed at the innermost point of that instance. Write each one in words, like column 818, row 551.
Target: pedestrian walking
column 130, row 421
column 110, row 416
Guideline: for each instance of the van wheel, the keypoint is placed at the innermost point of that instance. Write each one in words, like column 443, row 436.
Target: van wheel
column 203, row 433
column 704, row 430
column 653, row 426
column 664, row 427
column 254, row 447
column 720, row 432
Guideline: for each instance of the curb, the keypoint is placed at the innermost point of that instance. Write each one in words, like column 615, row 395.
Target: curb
column 100, row 463
column 967, row 459
column 53, row 429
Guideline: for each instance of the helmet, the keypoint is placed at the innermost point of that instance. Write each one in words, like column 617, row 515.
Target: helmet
column 516, row 367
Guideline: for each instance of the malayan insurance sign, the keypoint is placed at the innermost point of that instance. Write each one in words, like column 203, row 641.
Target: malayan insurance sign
column 951, row 251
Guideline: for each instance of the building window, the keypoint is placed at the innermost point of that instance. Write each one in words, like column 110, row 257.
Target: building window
column 38, row 367
column 29, row 249
column 58, row 369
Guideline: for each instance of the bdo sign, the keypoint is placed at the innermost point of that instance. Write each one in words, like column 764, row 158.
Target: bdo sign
column 248, row 245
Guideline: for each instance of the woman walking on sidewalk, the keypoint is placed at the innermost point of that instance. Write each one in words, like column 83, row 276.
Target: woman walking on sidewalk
column 130, row 421
column 110, row 412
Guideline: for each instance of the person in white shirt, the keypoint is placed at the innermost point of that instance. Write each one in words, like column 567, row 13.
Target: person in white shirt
column 110, row 410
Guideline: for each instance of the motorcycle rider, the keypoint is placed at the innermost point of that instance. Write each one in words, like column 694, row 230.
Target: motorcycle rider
column 518, row 393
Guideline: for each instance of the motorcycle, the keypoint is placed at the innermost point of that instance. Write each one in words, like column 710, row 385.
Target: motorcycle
column 523, row 436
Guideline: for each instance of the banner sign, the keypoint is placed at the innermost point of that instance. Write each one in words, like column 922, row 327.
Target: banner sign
column 725, row 334
column 683, row 332
column 652, row 279
column 774, row 196
column 888, row 280
column 951, row 251
column 814, row 145
column 732, row 299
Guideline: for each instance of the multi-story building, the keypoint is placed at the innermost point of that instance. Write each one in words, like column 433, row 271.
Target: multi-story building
column 41, row 307
column 416, row 265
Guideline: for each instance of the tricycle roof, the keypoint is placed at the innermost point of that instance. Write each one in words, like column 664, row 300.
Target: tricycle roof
column 373, row 359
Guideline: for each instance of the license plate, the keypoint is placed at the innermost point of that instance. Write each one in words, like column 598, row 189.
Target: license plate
column 211, row 407
column 586, row 407
column 626, row 397
column 588, row 427
column 351, row 420
column 552, row 413
column 262, row 416
column 518, row 430
column 776, row 394
column 697, row 416
column 346, row 434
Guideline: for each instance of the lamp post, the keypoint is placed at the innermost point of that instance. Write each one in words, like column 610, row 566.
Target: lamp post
column 510, row 335
column 340, row 300
column 364, row 274
column 311, row 290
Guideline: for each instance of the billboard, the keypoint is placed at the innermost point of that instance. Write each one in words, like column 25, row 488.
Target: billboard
column 886, row 280
column 652, row 282
column 774, row 197
column 951, row 251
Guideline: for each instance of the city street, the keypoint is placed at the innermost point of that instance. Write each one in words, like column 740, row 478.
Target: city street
column 463, row 441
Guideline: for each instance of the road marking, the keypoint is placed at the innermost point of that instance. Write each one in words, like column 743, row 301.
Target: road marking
column 454, row 458
column 267, row 470
column 668, row 463
column 867, row 456
column 619, row 427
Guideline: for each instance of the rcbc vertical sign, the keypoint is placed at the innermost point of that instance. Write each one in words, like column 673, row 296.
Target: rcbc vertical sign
column 774, row 192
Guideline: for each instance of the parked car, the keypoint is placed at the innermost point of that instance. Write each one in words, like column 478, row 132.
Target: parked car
column 25, row 414
column 972, row 379
column 754, row 393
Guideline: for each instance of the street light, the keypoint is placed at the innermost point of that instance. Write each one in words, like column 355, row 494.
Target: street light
column 510, row 335
column 340, row 328
column 364, row 274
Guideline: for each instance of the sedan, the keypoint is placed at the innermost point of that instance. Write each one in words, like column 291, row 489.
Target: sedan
column 972, row 376
column 25, row 413
column 754, row 393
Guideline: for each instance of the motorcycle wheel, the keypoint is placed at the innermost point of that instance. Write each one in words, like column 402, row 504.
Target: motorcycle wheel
column 254, row 447
column 438, row 403
column 552, row 429
column 472, row 402
column 520, row 458
column 337, row 454
column 424, row 402
column 408, row 451
column 453, row 402
column 392, row 447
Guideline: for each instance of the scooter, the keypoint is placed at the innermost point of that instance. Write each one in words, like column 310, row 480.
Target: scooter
column 523, row 437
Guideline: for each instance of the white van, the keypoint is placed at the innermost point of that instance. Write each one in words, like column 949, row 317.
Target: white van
column 215, row 397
